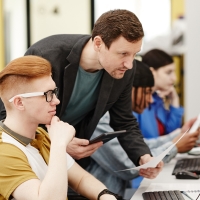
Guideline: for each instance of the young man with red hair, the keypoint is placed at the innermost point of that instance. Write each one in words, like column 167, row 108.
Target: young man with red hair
column 34, row 163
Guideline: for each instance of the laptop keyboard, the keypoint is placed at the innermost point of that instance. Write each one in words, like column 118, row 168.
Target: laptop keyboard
column 163, row 195
column 188, row 164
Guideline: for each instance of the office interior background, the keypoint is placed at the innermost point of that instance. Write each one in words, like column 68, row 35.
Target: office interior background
column 171, row 25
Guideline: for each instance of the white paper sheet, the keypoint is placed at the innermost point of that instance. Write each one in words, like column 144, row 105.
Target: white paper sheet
column 154, row 162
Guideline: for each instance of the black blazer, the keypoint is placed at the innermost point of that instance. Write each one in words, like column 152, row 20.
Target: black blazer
column 64, row 52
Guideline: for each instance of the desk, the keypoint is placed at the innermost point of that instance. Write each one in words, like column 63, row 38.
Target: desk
column 166, row 181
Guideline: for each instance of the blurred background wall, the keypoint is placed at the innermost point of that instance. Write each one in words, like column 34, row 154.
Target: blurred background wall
column 15, row 28
column 50, row 17
column 2, row 56
column 192, row 59
column 171, row 25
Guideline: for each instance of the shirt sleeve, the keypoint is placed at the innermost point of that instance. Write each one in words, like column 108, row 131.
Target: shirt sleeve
column 111, row 156
column 162, row 140
column 159, row 150
column 121, row 118
column 160, row 144
column 14, row 169
column 172, row 118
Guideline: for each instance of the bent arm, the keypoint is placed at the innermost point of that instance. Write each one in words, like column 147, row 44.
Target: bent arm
column 85, row 184
column 174, row 118
column 162, row 140
column 160, row 144
column 121, row 118
column 55, row 183
column 157, row 151
column 111, row 156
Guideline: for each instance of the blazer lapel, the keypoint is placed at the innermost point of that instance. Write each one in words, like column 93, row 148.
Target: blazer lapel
column 69, row 76
column 106, row 86
column 68, row 85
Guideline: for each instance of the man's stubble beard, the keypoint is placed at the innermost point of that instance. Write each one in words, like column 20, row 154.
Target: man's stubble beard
column 113, row 73
column 115, row 76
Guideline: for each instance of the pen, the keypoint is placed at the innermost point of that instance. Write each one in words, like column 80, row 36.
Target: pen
column 186, row 195
column 198, row 196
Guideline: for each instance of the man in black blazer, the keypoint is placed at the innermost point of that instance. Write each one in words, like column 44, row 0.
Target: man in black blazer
column 94, row 74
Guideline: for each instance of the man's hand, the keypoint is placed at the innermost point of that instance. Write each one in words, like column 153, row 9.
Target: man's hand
column 60, row 132
column 80, row 148
column 149, row 172
column 189, row 140
column 187, row 125
column 171, row 95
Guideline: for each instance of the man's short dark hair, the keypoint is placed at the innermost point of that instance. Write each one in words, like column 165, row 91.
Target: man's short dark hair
column 116, row 23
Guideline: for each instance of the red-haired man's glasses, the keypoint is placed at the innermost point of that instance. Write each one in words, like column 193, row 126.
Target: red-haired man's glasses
column 49, row 95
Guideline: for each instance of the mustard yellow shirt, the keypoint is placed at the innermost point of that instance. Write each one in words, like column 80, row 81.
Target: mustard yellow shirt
column 14, row 166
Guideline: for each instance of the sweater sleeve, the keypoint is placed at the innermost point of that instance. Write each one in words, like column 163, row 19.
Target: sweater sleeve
column 157, row 151
column 172, row 118
column 111, row 156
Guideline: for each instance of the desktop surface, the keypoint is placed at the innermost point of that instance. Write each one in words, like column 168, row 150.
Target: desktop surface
column 166, row 181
